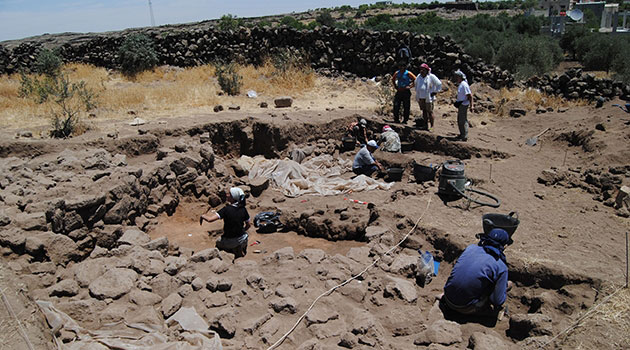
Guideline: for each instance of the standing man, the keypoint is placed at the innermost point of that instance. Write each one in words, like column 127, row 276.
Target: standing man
column 478, row 283
column 403, row 81
column 463, row 102
column 427, row 86
column 364, row 163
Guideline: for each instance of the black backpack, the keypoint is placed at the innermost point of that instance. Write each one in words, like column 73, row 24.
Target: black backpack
column 268, row 222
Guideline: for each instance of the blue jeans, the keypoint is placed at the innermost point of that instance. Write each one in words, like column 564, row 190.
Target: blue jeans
column 365, row 169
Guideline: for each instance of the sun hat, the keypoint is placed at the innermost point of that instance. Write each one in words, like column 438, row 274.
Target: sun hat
column 372, row 143
column 387, row 128
column 496, row 236
column 237, row 194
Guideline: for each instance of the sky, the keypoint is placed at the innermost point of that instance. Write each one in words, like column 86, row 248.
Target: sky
column 23, row 18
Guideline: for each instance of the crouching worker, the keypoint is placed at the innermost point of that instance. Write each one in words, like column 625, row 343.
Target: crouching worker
column 478, row 283
column 235, row 223
column 364, row 163
column 389, row 140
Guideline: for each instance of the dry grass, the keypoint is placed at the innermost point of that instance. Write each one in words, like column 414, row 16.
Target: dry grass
column 531, row 99
column 163, row 92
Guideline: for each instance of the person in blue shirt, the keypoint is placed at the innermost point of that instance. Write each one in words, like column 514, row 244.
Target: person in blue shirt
column 364, row 163
column 478, row 283
column 403, row 81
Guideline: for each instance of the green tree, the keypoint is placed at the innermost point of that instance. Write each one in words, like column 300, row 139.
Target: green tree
column 137, row 55
column 325, row 18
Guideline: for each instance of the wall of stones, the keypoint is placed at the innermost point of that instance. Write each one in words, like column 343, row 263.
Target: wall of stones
column 360, row 52
column 574, row 84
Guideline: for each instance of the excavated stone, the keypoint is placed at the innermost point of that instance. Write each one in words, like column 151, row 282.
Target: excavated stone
column 482, row 341
column 61, row 249
column 65, row 288
column 401, row 289
column 31, row 222
column 284, row 305
column 285, row 253
column 313, row 256
column 283, row 102
column 215, row 284
column 163, row 284
column 174, row 264
column 441, row 332
column 133, row 236
column 256, row 281
column 529, row 325
column 224, row 323
column 144, row 298
column 113, row 284
column 171, row 304
column 320, row 315
column 405, row 265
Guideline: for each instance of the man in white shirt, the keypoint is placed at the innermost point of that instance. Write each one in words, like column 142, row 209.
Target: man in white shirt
column 427, row 86
column 463, row 101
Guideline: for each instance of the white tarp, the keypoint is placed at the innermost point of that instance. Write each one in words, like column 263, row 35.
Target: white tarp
column 134, row 336
column 318, row 175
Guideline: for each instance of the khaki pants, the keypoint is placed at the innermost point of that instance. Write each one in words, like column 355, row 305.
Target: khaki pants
column 427, row 111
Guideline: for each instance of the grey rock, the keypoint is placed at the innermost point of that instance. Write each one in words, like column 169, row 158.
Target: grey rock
column 405, row 265
column 197, row 284
column 113, row 284
column 31, row 222
column 144, row 298
column 285, row 253
column 65, row 288
column 61, row 249
column 171, row 304
column 221, row 285
column 284, row 305
column 482, row 341
column 313, row 256
column 441, row 332
column 402, row 289
column 224, row 323
column 174, row 264
column 256, row 281
column 134, row 236
column 159, row 244
column 164, row 284
column 321, row 315
column 205, row 255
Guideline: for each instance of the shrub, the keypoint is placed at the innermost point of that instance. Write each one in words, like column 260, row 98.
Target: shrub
column 229, row 22
column 325, row 18
column 48, row 63
column 229, row 79
column 137, row 55
column 290, row 21
column 69, row 100
column 384, row 97
column 569, row 40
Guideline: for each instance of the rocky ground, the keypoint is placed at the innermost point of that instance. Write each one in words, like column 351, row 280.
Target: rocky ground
column 105, row 226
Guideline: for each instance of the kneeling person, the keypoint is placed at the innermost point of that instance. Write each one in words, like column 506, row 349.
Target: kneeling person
column 235, row 223
column 364, row 163
column 478, row 283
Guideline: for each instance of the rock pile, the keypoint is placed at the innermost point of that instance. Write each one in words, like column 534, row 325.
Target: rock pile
column 573, row 84
column 361, row 52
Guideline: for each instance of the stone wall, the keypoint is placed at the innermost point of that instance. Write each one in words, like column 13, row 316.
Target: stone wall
column 573, row 84
column 360, row 52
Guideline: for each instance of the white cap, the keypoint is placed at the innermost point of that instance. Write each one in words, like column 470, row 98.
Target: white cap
column 236, row 193
column 372, row 143
column 363, row 122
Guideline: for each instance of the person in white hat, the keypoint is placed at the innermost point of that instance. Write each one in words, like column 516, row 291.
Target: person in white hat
column 364, row 163
column 463, row 102
column 236, row 222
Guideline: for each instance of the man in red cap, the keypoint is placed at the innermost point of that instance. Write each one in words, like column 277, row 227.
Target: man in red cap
column 427, row 86
column 389, row 139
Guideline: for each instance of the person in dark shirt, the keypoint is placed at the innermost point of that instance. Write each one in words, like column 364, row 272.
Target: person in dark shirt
column 478, row 283
column 235, row 223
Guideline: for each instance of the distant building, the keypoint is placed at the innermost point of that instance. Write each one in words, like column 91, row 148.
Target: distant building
column 554, row 7
column 607, row 13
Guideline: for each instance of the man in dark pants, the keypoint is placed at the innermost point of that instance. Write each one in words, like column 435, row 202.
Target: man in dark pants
column 478, row 284
column 403, row 81
column 364, row 163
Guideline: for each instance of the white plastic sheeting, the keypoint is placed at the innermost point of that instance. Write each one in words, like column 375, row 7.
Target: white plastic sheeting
column 134, row 336
column 318, row 175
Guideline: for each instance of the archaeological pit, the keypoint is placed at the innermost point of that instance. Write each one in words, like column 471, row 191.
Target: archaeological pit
column 106, row 229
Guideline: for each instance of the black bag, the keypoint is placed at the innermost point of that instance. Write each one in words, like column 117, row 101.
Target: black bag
column 457, row 104
column 268, row 222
